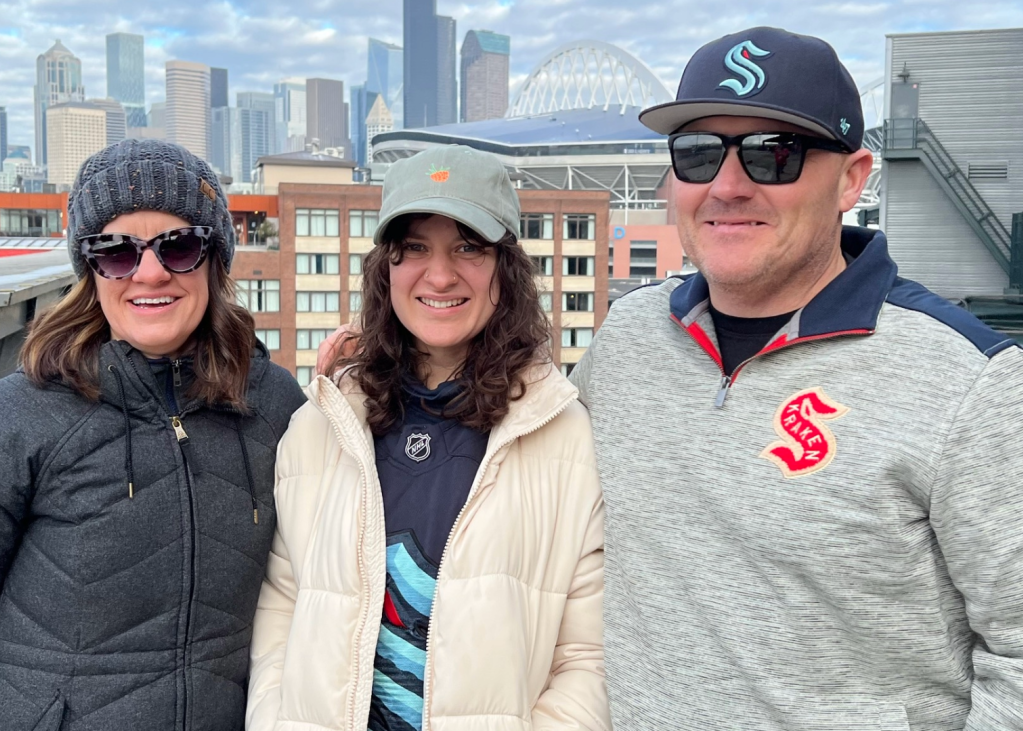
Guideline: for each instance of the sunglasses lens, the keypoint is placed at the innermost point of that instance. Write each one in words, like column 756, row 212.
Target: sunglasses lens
column 696, row 157
column 116, row 259
column 773, row 157
column 182, row 252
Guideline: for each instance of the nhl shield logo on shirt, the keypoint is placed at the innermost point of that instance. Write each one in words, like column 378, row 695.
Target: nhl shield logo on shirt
column 806, row 444
column 418, row 447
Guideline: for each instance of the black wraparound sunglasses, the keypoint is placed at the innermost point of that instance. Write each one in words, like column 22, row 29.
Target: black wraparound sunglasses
column 117, row 256
column 769, row 158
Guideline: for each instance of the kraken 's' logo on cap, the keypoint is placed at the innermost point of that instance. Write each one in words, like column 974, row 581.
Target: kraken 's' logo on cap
column 739, row 60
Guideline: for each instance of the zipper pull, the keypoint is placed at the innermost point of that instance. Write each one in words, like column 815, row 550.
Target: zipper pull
column 179, row 430
column 719, row 401
column 176, row 370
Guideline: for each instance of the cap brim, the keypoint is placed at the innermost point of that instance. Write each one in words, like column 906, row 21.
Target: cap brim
column 462, row 211
column 668, row 117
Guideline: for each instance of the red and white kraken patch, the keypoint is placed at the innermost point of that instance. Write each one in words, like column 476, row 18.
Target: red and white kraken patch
column 806, row 444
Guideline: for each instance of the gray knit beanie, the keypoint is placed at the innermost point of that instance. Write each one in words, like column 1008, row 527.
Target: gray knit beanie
column 146, row 175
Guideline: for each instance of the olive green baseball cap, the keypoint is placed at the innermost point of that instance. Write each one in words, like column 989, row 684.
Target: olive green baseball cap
column 456, row 181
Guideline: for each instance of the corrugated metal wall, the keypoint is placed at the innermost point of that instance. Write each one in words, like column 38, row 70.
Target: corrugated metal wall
column 953, row 262
column 971, row 96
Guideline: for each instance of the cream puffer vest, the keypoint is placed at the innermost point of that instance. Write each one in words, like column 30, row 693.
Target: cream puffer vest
column 515, row 637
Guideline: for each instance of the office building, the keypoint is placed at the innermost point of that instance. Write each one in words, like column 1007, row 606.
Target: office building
column 188, row 110
column 157, row 116
column 289, row 115
column 117, row 124
column 256, row 122
column 378, row 121
column 384, row 73
column 447, row 69
column 3, row 135
column 430, row 88
column 362, row 102
column 58, row 80
column 327, row 114
column 74, row 131
column 218, row 88
column 126, row 75
column 484, row 82
column 224, row 140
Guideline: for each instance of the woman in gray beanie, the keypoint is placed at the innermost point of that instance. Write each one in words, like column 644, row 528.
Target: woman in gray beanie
column 137, row 465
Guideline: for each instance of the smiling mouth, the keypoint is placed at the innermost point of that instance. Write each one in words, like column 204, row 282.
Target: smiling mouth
column 442, row 304
column 153, row 302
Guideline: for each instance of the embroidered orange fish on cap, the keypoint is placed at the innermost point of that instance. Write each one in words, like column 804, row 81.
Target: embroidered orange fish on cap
column 806, row 444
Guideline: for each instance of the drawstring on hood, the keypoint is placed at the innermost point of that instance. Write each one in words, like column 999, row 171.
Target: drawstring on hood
column 248, row 470
column 128, row 466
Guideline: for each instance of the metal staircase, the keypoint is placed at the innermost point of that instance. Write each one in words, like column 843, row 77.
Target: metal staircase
column 912, row 139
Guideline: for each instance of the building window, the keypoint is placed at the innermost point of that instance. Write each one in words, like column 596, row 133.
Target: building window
column 580, row 226
column 310, row 339
column 546, row 302
column 317, row 263
column 304, row 374
column 25, row 222
column 576, row 337
column 355, row 263
column 567, row 368
column 577, row 301
column 316, row 222
column 363, row 224
column 317, row 302
column 270, row 338
column 259, row 295
column 577, row 266
column 536, row 226
column 355, row 301
column 611, row 259
column 544, row 265
column 642, row 258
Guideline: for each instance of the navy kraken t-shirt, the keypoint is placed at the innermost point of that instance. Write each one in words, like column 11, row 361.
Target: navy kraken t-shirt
column 426, row 468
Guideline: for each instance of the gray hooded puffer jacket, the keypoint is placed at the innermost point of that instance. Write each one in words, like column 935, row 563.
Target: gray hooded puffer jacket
column 124, row 612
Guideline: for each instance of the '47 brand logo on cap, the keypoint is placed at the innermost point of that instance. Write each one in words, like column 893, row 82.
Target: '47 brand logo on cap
column 739, row 60
column 806, row 444
column 418, row 447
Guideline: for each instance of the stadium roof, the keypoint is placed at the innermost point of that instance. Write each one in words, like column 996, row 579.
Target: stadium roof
column 557, row 128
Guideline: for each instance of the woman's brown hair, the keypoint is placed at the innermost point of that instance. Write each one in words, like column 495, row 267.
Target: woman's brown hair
column 63, row 342
column 515, row 338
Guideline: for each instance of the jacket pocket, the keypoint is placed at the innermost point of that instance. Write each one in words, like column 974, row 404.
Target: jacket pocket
column 53, row 716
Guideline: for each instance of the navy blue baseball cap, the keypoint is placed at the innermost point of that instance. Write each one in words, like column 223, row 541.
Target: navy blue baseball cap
column 766, row 72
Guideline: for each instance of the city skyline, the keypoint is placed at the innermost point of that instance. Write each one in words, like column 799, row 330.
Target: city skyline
column 330, row 39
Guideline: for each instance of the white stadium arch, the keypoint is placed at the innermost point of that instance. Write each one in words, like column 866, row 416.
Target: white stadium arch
column 585, row 75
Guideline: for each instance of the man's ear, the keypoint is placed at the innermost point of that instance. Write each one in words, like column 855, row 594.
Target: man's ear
column 855, row 171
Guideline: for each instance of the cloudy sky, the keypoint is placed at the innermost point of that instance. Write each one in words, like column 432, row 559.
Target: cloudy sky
column 261, row 41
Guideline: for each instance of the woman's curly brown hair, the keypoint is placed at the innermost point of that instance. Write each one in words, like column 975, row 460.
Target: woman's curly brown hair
column 515, row 338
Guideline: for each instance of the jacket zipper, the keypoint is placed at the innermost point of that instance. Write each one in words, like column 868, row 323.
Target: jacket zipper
column 726, row 382
column 427, row 676
column 182, row 437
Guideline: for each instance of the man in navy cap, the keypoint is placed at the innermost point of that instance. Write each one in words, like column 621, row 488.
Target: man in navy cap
column 812, row 467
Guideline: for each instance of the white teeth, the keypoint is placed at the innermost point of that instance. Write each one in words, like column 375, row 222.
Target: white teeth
column 153, row 300
column 441, row 304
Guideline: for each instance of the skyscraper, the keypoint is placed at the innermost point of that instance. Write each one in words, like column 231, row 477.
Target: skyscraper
column 218, row 88
column 3, row 135
column 126, row 75
column 289, row 115
column 430, row 89
column 378, row 121
column 384, row 73
column 117, row 121
column 484, row 83
column 255, row 135
column 74, row 131
column 327, row 114
column 58, row 80
column 447, row 66
column 188, row 105
column 260, row 101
